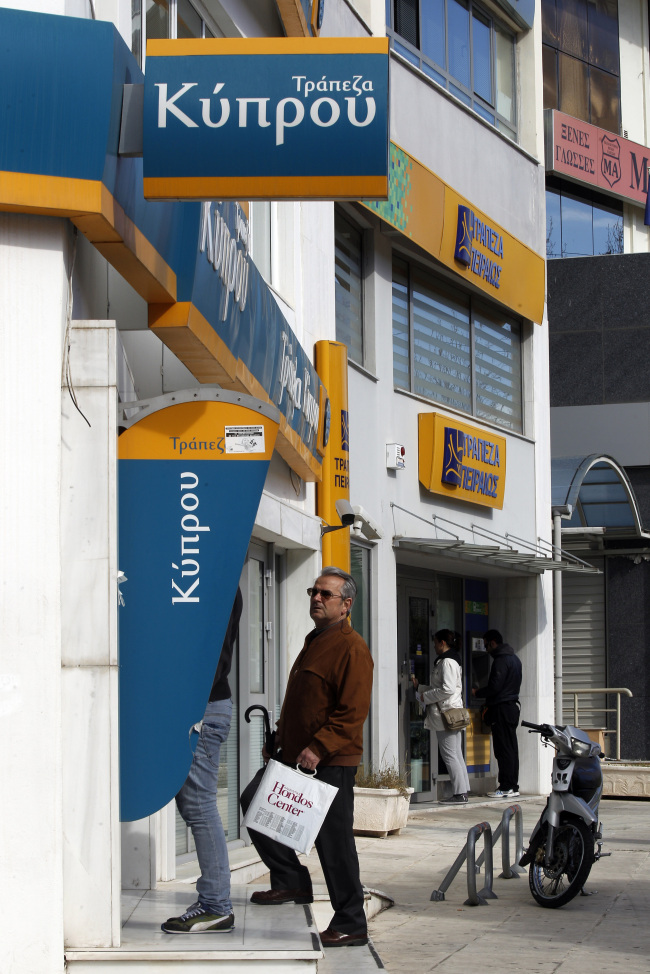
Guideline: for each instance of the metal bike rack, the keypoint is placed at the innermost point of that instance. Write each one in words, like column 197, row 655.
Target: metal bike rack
column 502, row 832
column 510, row 871
column 474, row 898
column 469, row 852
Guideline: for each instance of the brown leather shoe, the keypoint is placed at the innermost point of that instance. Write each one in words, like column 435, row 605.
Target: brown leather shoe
column 333, row 938
column 274, row 897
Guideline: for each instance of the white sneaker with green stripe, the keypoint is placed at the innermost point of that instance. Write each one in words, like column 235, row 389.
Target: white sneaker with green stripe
column 197, row 920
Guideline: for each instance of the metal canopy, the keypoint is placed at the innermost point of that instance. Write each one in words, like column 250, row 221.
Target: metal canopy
column 510, row 553
column 600, row 493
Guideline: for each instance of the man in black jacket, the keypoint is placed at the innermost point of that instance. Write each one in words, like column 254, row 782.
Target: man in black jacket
column 502, row 713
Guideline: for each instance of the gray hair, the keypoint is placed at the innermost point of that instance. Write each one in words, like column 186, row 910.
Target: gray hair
column 349, row 587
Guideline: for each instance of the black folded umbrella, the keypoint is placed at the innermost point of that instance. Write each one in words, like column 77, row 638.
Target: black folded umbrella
column 269, row 735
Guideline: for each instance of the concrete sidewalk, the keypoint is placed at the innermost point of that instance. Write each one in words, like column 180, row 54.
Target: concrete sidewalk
column 603, row 933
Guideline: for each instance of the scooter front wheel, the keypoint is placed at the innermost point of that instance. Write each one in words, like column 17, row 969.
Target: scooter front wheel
column 573, row 856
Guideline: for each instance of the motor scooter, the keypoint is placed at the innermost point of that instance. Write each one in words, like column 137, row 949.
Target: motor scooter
column 568, row 837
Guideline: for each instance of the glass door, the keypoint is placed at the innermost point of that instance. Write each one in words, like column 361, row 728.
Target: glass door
column 415, row 657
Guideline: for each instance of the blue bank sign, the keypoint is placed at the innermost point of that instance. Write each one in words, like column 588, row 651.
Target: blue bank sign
column 278, row 118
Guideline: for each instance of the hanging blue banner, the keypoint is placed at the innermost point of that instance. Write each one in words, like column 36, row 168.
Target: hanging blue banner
column 191, row 476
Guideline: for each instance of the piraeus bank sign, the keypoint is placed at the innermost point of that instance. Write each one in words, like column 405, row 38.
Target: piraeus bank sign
column 591, row 155
column 461, row 461
column 266, row 118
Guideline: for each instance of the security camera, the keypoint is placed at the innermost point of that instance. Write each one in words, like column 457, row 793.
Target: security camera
column 345, row 511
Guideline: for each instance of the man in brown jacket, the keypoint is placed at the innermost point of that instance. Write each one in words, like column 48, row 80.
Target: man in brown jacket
column 321, row 728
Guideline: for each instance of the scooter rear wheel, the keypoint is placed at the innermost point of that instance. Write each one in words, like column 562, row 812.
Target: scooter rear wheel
column 573, row 856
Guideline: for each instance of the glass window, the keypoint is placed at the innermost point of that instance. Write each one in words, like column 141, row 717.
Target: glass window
column 458, row 41
column 549, row 68
column 349, row 287
column 581, row 60
column 189, row 23
column 460, row 46
column 360, row 615
column 497, row 349
column 401, row 327
column 451, row 352
column 482, row 58
column 260, row 212
column 505, row 65
column 433, row 31
column 441, row 344
column 574, row 87
column 157, row 19
column 163, row 20
column 579, row 223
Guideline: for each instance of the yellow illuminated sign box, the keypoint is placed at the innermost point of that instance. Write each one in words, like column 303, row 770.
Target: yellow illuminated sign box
column 460, row 461
column 466, row 240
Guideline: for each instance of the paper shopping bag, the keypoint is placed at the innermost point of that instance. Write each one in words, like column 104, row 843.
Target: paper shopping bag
column 290, row 806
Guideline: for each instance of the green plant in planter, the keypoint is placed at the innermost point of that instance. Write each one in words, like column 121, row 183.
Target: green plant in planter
column 382, row 777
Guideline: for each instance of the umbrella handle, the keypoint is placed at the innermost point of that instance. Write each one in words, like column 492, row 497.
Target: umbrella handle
column 265, row 715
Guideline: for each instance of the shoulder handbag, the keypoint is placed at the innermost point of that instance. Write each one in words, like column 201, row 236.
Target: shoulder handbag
column 290, row 806
column 455, row 718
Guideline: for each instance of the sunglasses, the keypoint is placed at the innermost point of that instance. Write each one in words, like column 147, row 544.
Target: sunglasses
column 324, row 593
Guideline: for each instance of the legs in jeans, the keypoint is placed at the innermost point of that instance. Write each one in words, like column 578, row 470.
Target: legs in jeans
column 197, row 803
column 506, row 749
column 336, row 850
column 450, row 745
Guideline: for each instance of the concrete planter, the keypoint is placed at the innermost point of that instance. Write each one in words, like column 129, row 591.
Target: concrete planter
column 380, row 811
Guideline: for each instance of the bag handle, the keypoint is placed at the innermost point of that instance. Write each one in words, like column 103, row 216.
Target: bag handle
column 308, row 772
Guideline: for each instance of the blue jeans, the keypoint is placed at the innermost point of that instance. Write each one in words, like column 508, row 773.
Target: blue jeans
column 197, row 803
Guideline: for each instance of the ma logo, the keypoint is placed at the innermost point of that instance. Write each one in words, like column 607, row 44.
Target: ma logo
column 453, row 456
column 610, row 162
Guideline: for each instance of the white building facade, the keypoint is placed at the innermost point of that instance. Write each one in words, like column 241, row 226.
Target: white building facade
column 443, row 348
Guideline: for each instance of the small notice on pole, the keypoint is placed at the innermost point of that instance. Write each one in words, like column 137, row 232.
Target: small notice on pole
column 244, row 439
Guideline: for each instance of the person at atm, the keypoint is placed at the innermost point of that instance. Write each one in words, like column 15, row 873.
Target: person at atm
column 502, row 712
column 444, row 693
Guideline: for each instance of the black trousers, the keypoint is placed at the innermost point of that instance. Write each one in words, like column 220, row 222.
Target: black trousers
column 505, row 717
column 336, row 850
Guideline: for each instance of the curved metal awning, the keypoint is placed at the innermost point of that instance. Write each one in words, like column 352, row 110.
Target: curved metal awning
column 600, row 493
column 506, row 554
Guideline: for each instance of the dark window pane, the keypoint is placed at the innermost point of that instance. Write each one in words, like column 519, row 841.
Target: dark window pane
column 188, row 21
column 406, row 21
column 574, row 86
column 348, row 288
column 603, row 34
column 433, row 31
column 157, row 19
column 605, row 100
column 572, row 27
column 458, row 29
column 549, row 66
column 577, row 230
column 481, row 54
column 549, row 23
column 608, row 231
column 553, row 224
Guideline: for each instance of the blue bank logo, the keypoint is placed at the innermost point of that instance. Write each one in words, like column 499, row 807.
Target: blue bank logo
column 464, row 235
column 452, row 464
column 345, row 431
column 473, row 238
